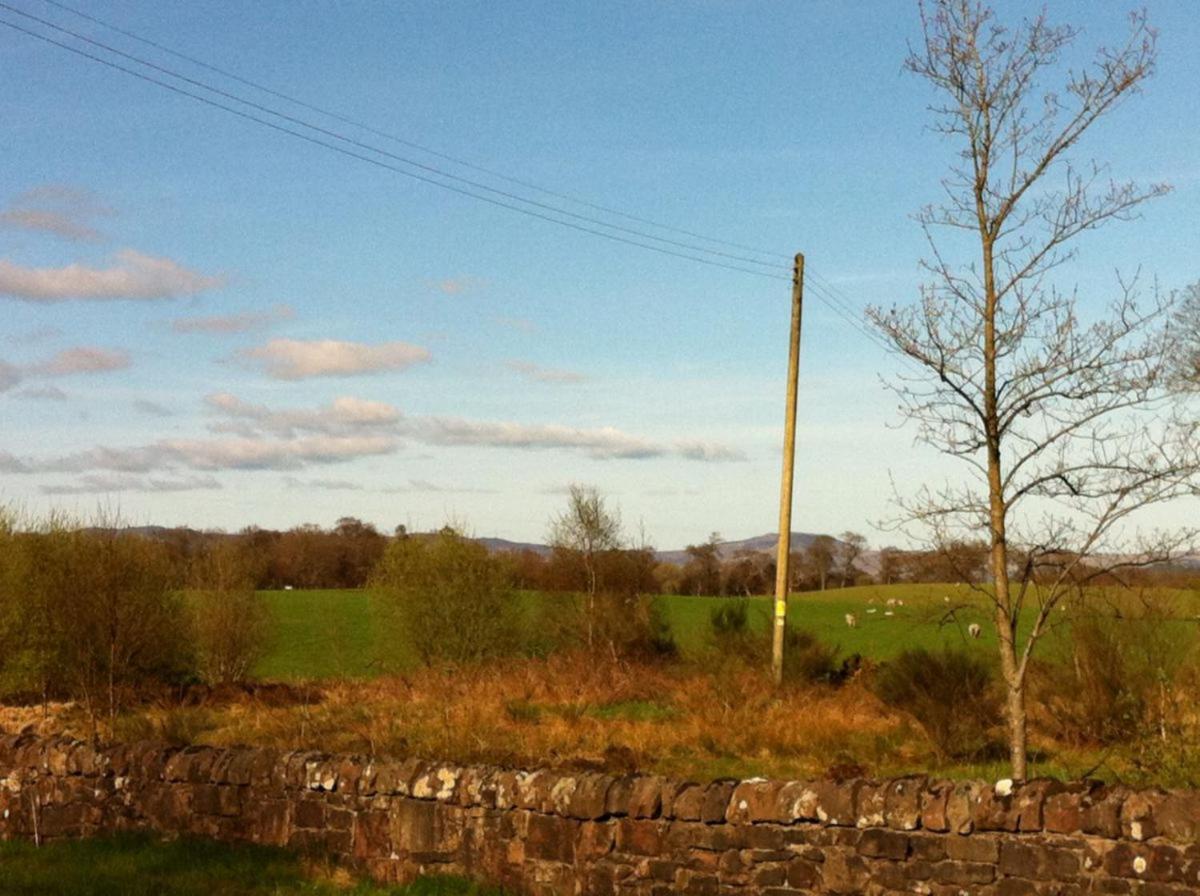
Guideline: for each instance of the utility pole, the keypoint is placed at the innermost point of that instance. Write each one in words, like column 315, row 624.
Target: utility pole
column 783, row 552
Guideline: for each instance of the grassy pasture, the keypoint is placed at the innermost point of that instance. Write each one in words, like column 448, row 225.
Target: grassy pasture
column 333, row 634
column 141, row 866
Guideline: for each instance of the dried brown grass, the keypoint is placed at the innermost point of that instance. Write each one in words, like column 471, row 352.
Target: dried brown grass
column 570, row 710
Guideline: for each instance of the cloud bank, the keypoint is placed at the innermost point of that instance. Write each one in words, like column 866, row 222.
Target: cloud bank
column 249, row 436
column 135, row 276
column 293, row 359
column 58, row 210
column 98, row 483
column 84, row 359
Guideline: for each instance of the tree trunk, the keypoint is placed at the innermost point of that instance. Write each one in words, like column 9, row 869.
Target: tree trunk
column 1006, row 624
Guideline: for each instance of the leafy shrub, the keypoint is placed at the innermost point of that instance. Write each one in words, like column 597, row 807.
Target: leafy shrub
column 1113, row 679
column 729, row 631
column 619, row 626
column 809, row 660
column 806, row 659
column 448, row 598
column 231, row 624
column 90, row 614
column 950, row 694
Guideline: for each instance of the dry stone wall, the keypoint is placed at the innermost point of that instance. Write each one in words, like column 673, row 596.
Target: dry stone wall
column 552, row 832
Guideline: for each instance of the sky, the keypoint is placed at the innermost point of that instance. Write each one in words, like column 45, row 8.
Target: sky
column 205, row 321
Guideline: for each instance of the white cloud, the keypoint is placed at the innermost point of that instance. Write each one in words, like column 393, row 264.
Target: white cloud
column 256, row 437
column 62, row 211
column 544, row 374
column 229, row 324
column 292, row 359
column 135, row 276
column 42, row 393
column 708, row 451
column 84, row 359
column 333, row 485
column 343, row 416
column 270, row 454
column 207, row 455
column 93, row 483
column 424, row 485
column 603, row 444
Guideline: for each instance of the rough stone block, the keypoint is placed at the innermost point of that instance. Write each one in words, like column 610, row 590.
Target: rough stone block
column 902, row 802
column 879, row 843
column 645, row 797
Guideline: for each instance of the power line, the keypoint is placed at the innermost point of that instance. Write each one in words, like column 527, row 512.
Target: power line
column 402, row 140
column 825, row 292
column 383, row 152
column 405, row 142
column 377, row 162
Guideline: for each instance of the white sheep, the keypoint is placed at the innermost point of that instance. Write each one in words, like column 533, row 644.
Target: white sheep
column 851, row 620
column 974, row 630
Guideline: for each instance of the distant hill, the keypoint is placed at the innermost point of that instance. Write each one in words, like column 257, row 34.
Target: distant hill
column 727, row 549
column 504, row 546
column 759, row 544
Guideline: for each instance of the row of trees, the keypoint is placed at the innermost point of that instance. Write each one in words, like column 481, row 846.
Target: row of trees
column 347, row 555
column 307, row 556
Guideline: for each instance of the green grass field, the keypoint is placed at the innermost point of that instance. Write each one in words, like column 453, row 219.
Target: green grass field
column 333, row 634
column 141, row 866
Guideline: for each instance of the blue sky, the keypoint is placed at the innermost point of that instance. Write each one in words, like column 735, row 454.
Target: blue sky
column 317, row 336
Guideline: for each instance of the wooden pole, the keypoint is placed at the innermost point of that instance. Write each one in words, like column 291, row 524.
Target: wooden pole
column 783, row 552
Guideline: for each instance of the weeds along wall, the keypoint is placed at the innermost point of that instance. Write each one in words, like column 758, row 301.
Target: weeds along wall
column 553, row 832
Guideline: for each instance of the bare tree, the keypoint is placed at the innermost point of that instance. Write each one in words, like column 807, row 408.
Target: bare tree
column 1067, row 429
column 1187, row 321
column 586, row 530
column 818, row 559
column 849, row 548
column 702, row 574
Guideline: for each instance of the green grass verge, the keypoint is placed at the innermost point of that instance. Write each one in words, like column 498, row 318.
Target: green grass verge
column 142, row 866
column 320, row 634
column 332, row 634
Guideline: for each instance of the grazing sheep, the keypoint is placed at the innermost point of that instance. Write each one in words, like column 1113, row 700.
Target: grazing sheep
column 851, row 620
column 891, row 601
column 888, row 613
column 974, row 630
column 871, row 610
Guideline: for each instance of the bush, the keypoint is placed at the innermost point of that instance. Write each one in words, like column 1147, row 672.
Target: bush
column 448, row 598
column 950, row 694
column 90, row 614
column 231, row 624
column 729, row 620
column 808, row 660
column 1113, row 678
column 620, row 626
